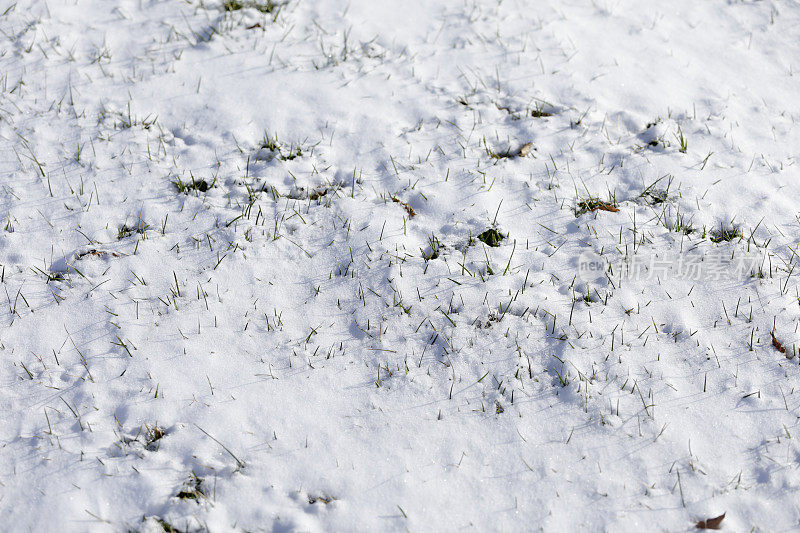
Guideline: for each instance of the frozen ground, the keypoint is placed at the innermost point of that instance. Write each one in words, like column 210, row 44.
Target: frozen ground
column 243, row 289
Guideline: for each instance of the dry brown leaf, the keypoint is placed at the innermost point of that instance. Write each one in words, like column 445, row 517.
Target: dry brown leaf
column 606, row 207
column 711, row 523
column 408, row 208
column 526, row 149
column 776, row 343
column 96, row 253
column 318, row 193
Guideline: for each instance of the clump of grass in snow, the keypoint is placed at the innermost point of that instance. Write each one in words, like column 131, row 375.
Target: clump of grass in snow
column 195, row 185
column 263, row 7
column 682, row 225
column 491, row 237
column 654, row 196
column 153, row 436
column 185, row 187
column 523, row 151
column 127, row 121
column 684, row 143
column 166, row 526
column 193, row 489
column 724, row 234
column 321, row 499
column 432, row 252
column 587, row 298
column 126, row 231
column 539, row 111
column 49, row 276
column 272, row 145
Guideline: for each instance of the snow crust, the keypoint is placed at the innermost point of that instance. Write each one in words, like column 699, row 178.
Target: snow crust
column 243, row 287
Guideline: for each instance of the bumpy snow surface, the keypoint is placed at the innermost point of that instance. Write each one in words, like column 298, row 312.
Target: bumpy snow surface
column 448, row 265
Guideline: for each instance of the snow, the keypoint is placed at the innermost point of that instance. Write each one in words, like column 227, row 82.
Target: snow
column 244, row 288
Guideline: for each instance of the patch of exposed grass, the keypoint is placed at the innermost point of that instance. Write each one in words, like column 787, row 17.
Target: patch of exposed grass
column 193, row 489
column 432, row 252
column 263, row 7
column 126, row 231
column 656, row 196
column 684, row 227
column 724, row 234
column 491, row 237
column 49, row 276
column 678, row 223
column 185, row 187
column 127, row 121
column 321, row 499
column 166, row 526
column 522, row 151
column 585, row 298
column 272, row 145
column 682, row 141
column 539, row 111
column 153, row 436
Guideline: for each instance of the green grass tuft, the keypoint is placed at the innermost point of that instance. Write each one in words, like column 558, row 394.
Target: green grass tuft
column 491, row 237
column 185, row 187
column 725, row 234
column 263, row 7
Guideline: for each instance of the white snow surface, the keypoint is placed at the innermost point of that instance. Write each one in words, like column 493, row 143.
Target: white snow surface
column 242, row 288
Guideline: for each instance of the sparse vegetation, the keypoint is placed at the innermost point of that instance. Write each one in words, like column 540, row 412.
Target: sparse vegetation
column 260, row 258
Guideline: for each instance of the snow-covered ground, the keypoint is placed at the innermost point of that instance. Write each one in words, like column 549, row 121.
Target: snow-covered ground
column 380, row 265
